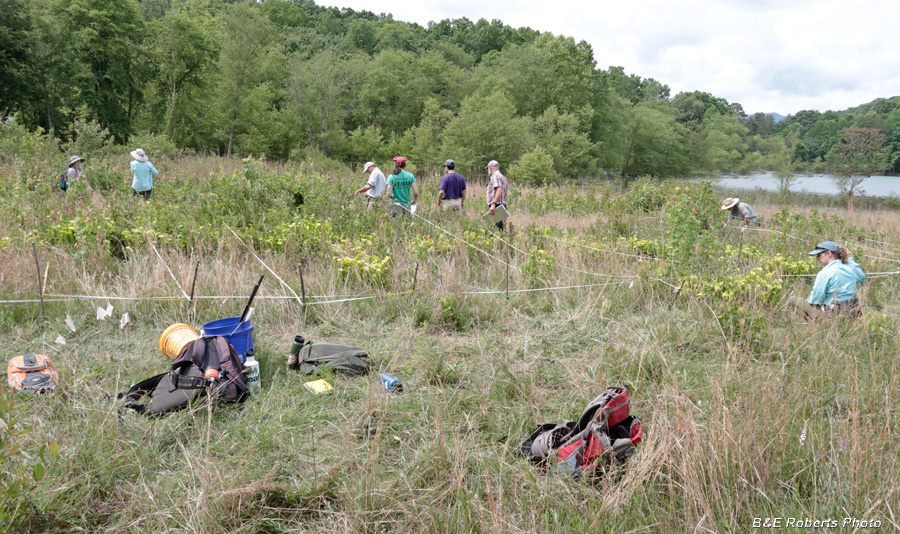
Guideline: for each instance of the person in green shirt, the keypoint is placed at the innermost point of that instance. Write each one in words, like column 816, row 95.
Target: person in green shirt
column 399, row 185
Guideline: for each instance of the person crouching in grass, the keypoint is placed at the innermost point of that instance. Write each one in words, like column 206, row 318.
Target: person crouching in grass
column 834, row 290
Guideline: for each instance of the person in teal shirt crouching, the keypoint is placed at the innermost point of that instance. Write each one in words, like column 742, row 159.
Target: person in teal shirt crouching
column 399, row 186
column 834, row 290
column 143, row 172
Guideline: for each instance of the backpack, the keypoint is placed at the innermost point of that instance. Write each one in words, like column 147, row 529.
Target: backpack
column 606, row 433
column 208, row 365
column 64, row 180
column 352, row 360
column 32, row 373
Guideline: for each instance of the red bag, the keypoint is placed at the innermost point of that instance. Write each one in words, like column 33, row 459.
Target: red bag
column 605, row 433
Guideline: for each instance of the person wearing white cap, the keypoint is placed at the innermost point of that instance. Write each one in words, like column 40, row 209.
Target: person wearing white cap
column 741, row 211
column 73, row 173
column 374, row 188
column 497, row 190
column 142, row 172
column 835, row 287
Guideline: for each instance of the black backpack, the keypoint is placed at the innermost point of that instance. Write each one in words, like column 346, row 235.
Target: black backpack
column 352, row 360
column 208, row 365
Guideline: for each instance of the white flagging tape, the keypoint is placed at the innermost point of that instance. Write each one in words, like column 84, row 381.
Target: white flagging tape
column 885, row 259
column 464, row 241
column 267, row 267
column 490, row 291
column 561, row 266
column 170, row 272
column 768, row 230
column 37, row 300
column 602, row 250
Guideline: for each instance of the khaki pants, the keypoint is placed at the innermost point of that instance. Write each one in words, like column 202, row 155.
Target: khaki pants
column 370, row 203
column 849, row 308
column 451, row 204
column 800, row 305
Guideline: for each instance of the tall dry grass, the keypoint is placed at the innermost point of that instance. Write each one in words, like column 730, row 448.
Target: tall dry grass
column 743, row 419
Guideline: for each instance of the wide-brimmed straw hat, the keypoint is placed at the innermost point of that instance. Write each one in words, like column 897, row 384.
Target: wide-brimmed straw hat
column 139, row 154
column 729, row 203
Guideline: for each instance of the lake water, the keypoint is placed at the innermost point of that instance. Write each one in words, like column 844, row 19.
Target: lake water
column 820, row 184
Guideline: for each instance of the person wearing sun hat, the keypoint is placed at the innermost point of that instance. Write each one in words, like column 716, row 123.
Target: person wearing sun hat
column 835, row 287
column 399, row 185
column 142, row 172
column 73, row 172
column 740, row 211
column 374, row 187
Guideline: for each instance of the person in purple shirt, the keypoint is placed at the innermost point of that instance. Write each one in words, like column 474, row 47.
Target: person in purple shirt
column 452, row 194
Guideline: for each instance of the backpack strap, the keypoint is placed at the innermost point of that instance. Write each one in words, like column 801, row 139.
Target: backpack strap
column 137, row 391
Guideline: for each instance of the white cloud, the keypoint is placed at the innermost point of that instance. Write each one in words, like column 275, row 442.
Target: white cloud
column 769, row 55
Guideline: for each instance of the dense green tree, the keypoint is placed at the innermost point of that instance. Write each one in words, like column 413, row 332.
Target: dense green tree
column 632, row 87
column 655, row 144
column 563, row 138
column 15, row 55
column 820, row 137
column 246, row 56
column 721, row 142
column 427, row 148
column 694, row 106
column 325, row 91
column 182, row 52
column 102, row 35
column 397, row 85
column 487, row 128
column 860, row 153
column 551, row 71
column 760, row 124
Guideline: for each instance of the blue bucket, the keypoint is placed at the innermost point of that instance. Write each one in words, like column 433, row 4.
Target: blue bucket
column 241, row 339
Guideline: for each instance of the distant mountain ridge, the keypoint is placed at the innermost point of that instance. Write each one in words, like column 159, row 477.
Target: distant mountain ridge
column 777, row 117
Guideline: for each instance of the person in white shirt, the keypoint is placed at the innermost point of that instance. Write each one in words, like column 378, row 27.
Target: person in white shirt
column 374, row 188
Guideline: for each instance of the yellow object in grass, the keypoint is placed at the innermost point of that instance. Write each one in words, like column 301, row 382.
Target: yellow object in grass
column 318, row 386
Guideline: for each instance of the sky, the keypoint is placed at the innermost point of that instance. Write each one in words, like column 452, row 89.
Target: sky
column 779, row 56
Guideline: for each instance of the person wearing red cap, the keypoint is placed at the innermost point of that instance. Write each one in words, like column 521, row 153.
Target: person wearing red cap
column 399, row 185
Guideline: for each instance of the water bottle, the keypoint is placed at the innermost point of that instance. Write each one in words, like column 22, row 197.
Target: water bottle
column 294, row 356
column 251, row 371
column 391, row 383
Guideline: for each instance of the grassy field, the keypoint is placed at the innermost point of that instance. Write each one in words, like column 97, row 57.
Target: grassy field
column 748, row 412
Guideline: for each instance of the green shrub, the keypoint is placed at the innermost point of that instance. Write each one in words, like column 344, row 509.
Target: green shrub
column 535, row 167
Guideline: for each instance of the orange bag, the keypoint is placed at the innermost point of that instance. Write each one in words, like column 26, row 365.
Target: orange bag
column 32, row 373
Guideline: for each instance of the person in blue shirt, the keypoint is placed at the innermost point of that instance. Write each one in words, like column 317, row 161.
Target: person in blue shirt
column 143, row 172
column 835, row 287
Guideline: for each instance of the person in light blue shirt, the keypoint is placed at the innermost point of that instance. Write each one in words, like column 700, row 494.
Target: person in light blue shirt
column 835, row 287
column 143, row 172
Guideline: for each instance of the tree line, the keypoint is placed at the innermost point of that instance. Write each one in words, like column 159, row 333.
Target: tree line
column 290, row 79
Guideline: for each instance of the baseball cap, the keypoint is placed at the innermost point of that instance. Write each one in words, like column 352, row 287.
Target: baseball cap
column 493, row 163
column 367, row 165
column 449, row 162
column 825, row 246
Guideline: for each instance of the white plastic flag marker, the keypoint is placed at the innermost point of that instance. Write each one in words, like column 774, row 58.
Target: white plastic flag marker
column 60, row 340
column 124, row 321
column 104, row 313
column 70, row 323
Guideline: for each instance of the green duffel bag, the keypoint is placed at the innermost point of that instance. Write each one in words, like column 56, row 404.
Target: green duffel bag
column 351, row 360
